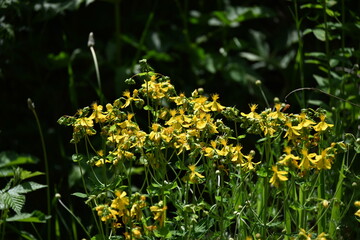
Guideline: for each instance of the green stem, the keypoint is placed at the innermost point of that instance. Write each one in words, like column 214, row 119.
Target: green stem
column 91, row 44
column 335, row 212
column 31, row 106
column 287, row 213
column 300, row 56
column 75, row 217
column 321, row 195
column 302, row 213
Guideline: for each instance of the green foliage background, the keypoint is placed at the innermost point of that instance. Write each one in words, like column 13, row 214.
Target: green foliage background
column 222, row 46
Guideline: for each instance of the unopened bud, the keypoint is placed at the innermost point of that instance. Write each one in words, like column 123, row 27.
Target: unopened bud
column 91, row 40
column 325, row 203
column 357, row 203
column 258, row 82
column 31, row 104
column 57, row 195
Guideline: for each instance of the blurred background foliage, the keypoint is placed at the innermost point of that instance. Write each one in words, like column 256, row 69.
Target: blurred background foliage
column 222, row 46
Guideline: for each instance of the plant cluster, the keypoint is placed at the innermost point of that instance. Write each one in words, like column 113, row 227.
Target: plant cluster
column 167, row 165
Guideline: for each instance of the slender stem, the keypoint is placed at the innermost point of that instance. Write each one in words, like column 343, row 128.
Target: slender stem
column 75, row 217
column 300, row 56
column 287, row 212
column 31, row 106
column 321, row 195
column 91, row 44
column 335, row 212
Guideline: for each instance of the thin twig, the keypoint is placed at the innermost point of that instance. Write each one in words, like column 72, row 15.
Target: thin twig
column 316, row 89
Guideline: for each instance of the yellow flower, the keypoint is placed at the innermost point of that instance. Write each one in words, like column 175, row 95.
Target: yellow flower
column 304, row 235
column 155, row 135
column 194, row 175
column 249, row 165
column 252, row 114
column 267, row 128
column 304, row 122
column 357, row 213
column 306, row 159
column 129, row 99
column 357, row 203
column 159, row 212
column 136, row 232
column 106, row 213
column 101, row 162
column 292, row 131
column 324, row 160
column 277, row 114
column 237, row 155
column 182, row 143
column 199, row 104
column 322, row 125
column 321, row 236
column 121, row 201
column 97, row 114
column 179, row 100
column 84, row 122
column 289, row 159
column 278, row 176
column 210, row 151
column 214, row 105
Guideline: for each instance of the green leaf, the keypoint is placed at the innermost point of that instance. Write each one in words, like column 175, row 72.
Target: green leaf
column 8, row 159
column 148, row 108
column 34, row 217
column 26, row 187
column 27, row 174
column 98, row 237
column 321, row 81
column 6, row 172
column 79, row 194
column 320, row 34
column 12, row 200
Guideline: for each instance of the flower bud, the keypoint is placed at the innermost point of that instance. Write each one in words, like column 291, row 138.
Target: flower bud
column 258, row 82
column 325, row 203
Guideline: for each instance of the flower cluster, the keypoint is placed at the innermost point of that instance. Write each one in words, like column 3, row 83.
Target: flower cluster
column 183, row 143
column 302, row 133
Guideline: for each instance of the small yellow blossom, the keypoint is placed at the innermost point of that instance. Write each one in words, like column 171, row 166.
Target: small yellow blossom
column 304, row 122
column 357, row 213
column 304, row 235
column 289, row 159
column 252, row 114
column 194, row 176
column 357, row 204
column 322, row 125
column 97, row 114
column 292, row 131
column 160, row 213
column 321, row 236
column 278, row 176
column 277, row 114
column 129, row 99
column 214, row 105
column 306, row 159
column 248, row 164
column 237, row 156
column 324, row 160
column 155, row 134
column 120, row 202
